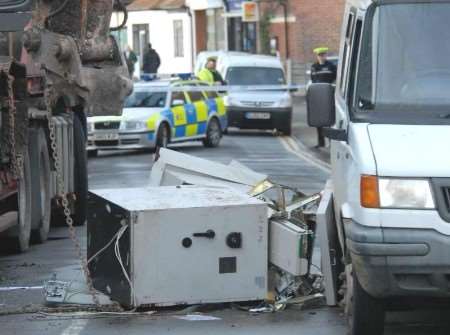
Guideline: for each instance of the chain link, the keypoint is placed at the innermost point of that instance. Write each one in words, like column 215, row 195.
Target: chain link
column 64, row 202
column 16, row 160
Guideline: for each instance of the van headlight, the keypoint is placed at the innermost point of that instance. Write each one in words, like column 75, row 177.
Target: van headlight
column 133, row 125
column 405, row 193
column 90, row 127
column 228, row 101
column 379, row 192
column 285, row 102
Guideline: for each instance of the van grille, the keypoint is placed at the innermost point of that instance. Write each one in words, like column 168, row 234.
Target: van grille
column 441, row 188
column 446, row 198
column 257, row 103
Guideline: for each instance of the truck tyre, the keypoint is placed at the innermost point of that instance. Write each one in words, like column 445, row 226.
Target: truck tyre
column 40, row 235
column 20, row 234
column 80, row 171
column 213, row 134
column 365, row 313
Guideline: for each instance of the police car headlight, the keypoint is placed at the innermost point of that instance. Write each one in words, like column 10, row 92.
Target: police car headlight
column 405, row 193
column 133, row 125
column 90, row 127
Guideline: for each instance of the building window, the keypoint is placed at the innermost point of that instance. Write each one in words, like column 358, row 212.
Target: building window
column 178, row 37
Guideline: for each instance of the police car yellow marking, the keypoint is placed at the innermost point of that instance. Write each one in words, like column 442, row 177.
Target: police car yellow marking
column 179, row 115
column 191, row 130
column 220, row 106
column 151, row 122
column 201, row 109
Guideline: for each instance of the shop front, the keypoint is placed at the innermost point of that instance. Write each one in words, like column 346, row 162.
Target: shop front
column 242, row 36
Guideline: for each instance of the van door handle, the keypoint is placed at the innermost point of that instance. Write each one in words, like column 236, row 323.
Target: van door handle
column 208, row 234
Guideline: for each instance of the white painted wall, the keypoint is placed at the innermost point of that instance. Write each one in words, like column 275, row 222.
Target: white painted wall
column 162, row 36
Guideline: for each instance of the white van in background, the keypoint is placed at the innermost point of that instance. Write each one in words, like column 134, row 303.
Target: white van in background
column 268, row 109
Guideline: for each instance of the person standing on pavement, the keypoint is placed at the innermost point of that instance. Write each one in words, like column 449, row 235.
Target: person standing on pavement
column 151, row 62
column 131, row 60
column 322, row 71
column 209, row 73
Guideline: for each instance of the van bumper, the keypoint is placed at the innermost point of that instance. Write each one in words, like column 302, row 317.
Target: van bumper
column 392, row 262
column 280, row 118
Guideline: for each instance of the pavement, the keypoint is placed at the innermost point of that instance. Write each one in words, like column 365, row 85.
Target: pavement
column 289, row 160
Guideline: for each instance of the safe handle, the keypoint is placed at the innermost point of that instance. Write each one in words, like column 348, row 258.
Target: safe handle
column 208, row 234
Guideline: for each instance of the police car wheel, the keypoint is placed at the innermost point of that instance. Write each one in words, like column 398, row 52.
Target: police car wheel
column 213, row 134
column 163, row 137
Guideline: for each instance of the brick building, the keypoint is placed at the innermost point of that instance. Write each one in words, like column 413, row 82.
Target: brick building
column 310, row 23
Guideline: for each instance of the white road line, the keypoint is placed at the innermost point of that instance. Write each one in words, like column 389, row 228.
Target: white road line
column 295, row 148
column 76, row 327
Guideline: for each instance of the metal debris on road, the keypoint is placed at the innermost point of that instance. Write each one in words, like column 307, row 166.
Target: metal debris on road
column 197, row 317
column 291, row 216
column 20, row 288
column 58, row 292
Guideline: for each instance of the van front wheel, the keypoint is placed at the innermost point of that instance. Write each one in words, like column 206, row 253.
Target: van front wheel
column 365, row 314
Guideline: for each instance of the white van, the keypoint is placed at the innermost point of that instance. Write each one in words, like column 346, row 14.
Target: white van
column 268, row 109
column 389, row 124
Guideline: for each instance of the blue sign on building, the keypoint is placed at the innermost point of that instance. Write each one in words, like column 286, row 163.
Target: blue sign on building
column 234, row 5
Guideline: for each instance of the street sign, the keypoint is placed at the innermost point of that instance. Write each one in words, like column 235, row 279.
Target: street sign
column 234, row 5
column 250, row 11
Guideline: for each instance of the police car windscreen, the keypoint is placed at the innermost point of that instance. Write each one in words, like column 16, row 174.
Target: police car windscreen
column 241, row 75
column 141, row 99
column 407, row 64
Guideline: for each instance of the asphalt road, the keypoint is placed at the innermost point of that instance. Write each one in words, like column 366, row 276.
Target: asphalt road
column 285, row 160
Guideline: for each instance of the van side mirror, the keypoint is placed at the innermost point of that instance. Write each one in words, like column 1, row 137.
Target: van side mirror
column 320, row 105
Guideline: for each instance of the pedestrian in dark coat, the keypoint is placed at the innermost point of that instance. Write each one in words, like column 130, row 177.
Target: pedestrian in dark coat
column 151, row 60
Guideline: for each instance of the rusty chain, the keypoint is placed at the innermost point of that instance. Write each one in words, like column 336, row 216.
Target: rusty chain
column 16, row 160
column 65, row 202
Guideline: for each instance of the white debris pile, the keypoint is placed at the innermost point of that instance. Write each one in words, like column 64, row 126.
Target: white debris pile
column 291, row 216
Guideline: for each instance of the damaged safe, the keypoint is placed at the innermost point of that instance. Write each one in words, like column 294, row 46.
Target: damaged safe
column 178, row 245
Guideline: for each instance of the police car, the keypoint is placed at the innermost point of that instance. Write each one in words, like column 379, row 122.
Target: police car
column 157, row 113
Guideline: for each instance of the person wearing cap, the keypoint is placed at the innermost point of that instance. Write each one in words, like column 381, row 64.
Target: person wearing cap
column 322, row 71
column 209, row 73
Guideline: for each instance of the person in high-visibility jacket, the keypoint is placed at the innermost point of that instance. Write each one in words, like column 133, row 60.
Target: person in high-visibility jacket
column 209, row 74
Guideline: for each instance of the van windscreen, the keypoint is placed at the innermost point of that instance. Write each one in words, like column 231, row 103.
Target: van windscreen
column 240, row 75
column 405, row 63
